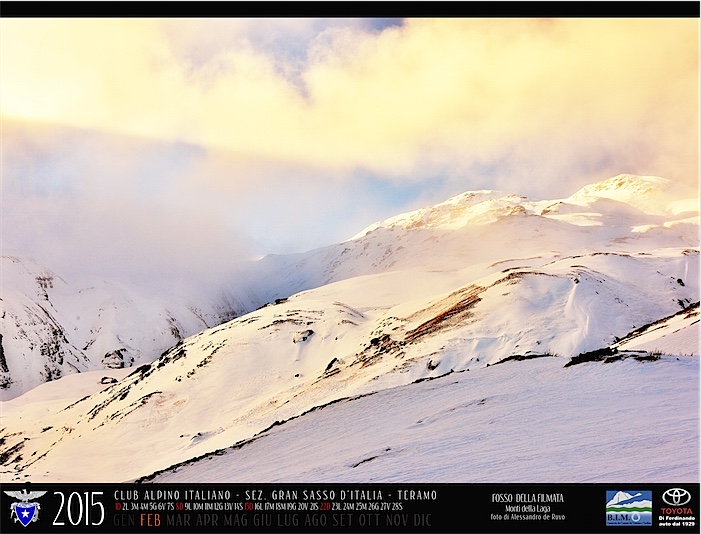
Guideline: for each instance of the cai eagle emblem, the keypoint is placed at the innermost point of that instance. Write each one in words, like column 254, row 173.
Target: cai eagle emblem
column 24, row 511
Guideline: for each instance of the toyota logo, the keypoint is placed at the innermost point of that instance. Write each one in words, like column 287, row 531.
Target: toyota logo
column 676, row 496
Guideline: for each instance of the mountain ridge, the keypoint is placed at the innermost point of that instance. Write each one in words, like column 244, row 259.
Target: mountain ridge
column 392, row 307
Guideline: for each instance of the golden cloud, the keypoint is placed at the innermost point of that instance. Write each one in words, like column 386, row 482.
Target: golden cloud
column 433, row 88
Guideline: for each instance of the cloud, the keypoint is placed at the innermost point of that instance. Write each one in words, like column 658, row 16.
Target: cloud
column 339, row 96
column 87, row 203
column 457, row 92
column 175, row 140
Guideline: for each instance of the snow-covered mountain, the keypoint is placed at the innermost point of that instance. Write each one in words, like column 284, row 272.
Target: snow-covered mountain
column 627, row 214
column 625, row 500
column 464, row 328
column 620, row 497
column 50, row 328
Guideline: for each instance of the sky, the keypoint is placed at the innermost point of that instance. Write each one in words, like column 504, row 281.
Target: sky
column 173, row 148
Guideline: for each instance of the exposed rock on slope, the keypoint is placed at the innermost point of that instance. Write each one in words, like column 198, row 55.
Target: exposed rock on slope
column 51, row 328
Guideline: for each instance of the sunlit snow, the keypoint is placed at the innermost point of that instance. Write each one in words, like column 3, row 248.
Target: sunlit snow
column 431, row 345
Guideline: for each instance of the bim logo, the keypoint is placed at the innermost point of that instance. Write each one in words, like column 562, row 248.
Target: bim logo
column 628, row 508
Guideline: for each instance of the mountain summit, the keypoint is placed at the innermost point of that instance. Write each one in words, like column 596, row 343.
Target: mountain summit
column 650, row 194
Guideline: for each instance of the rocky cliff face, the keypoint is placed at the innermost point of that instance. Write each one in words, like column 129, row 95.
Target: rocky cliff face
column 50, row 328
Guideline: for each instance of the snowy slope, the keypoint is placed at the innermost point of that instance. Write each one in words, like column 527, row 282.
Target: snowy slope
column 671, row 335
column 511, row 423
column 453, row 289
column 50, row 328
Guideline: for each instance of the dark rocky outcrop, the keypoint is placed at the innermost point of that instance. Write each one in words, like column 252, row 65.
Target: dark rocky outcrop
column 597, row 355
column 301, row 337
column 115, row 359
